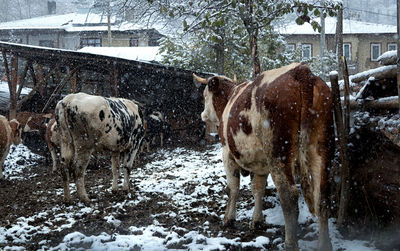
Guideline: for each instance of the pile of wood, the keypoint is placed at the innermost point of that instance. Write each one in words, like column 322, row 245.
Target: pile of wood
column 375, row 175
column 378, row 87
column 388, row 60
column 374, row 154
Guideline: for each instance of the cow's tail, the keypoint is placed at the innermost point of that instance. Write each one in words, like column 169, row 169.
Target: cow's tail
column 66, row 140
column 307, row 81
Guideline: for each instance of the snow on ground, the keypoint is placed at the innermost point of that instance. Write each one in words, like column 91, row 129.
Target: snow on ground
column 13, row 167
column 4, row 88
column 171, row 172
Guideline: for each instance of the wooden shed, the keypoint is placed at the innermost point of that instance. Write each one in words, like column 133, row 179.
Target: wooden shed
column 52, row 73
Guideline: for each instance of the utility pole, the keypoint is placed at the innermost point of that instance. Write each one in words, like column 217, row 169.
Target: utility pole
column 339, row 40
column 398, row 50
column 322, row 38
column 109, row 22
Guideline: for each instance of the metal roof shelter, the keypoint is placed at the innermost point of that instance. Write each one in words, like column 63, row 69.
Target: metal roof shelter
column 51, row 72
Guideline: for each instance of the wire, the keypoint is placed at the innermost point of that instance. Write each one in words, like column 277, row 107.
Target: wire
column 371, row 12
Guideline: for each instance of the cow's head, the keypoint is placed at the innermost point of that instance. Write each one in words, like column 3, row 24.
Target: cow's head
column 16, row 129
column 215, row 86
column 36, row 121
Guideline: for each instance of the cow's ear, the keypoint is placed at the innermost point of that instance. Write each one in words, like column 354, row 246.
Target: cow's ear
column 213, row 84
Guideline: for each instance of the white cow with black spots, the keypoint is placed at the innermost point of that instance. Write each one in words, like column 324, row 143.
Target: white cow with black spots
column 88, row 123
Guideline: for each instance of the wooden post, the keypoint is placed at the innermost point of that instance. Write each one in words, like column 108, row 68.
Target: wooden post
column 344, row 193
column 13, row 87
column 339, row 39
column 22, row 79
column 40, row 78
column 73, row 81
column 346, row 98
column 398, row 50
column 114, row 82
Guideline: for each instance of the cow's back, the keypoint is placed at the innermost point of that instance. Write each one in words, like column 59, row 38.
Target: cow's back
column 105, row 123
column 5, row 133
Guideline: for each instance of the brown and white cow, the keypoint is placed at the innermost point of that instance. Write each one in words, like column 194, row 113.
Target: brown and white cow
column 88, row 123
column 10, row 133
column 281, row 123
column 32, row 122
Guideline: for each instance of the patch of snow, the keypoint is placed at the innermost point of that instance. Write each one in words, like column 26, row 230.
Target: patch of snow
column 19, row 158
column 372, row 72
column 168, row 177
column 387, row 55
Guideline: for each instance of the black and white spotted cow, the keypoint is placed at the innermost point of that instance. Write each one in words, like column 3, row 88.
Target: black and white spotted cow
column 156, row 129
column 88, row 123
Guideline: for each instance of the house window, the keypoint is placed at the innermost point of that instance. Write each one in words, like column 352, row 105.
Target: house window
column 392, row 47
column 347, row 51
column 133, row 42
column 375, row 51
column 290, row 47
column 46, row 43
column 92, row 42
column 153, row 42
column 306, row 51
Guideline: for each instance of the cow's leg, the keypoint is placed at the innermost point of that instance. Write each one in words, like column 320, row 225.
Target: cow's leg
column 258, row 184
column 81, row 160
column 232, row 171
column 65, row 165
column 126, row 179
column 318, row 164
column 2, row 159
column 288, row 194
column 115, row 170
column 53, row 158
column 324, row 242
column 129, row 159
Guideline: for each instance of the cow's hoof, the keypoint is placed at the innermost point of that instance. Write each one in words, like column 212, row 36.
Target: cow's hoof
column 258, row 225
column 325, row 246
column 86, row 202
column 67, row 201
column 291, row 247
column 229, row 224
column 114, row 191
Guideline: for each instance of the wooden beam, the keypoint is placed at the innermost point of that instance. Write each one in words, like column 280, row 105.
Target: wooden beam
column 59, row 87
column 398, row 52
column 346, row 97
column 13, row 87
column 35, row 87
column 389, row 103
column 345, row 183
column 40, row 79
column 23, row 79
column 114, row 82
column 6, row 67
column 73, row 82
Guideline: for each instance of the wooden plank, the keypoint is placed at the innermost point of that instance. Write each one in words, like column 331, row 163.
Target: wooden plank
column 13, row 87
column 345, row 184
column 114, row 82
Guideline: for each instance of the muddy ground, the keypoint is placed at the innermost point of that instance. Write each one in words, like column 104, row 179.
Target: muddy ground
column 39, row 191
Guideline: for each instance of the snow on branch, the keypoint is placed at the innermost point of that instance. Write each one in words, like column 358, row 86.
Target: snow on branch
column 387, row 71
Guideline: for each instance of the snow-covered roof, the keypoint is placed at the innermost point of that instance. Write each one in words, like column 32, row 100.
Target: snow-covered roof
column 349, row 27
column 83, row 19
column 147, row 53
